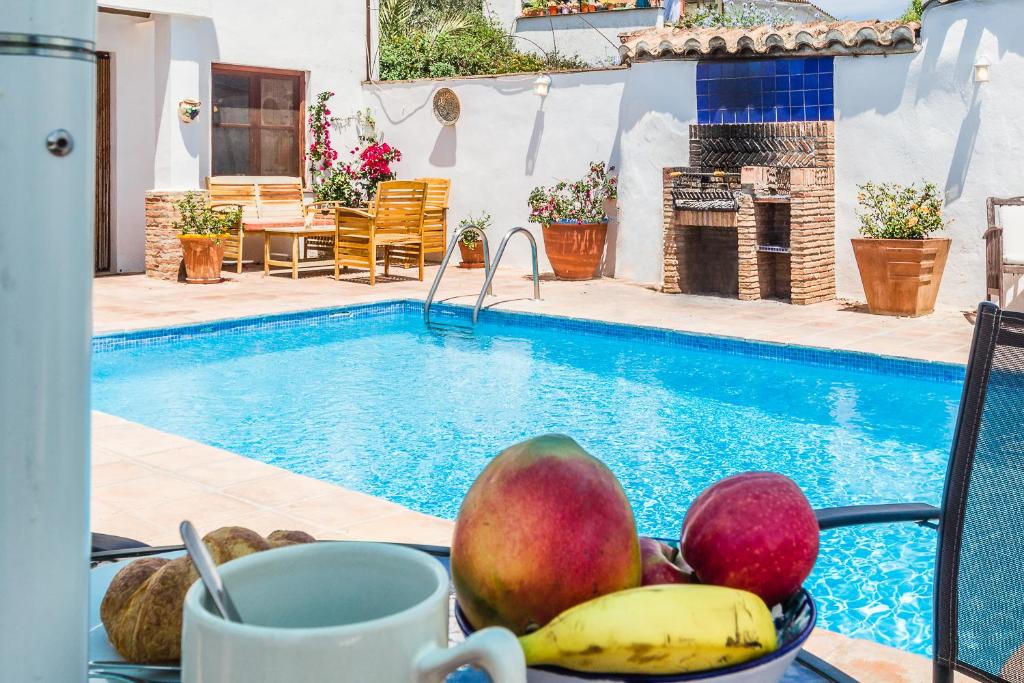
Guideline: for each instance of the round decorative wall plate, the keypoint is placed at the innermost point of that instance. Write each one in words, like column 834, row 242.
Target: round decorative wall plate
column 446, row 106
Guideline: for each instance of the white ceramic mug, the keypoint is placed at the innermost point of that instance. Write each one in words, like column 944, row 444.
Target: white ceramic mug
column 336, row 612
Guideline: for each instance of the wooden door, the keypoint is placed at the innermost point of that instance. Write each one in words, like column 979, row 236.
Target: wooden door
column 102, row 216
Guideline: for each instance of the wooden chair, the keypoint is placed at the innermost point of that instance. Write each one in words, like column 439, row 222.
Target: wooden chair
column 435, row 222
column 1004, row 245
column 394, row 223
column 266, row 201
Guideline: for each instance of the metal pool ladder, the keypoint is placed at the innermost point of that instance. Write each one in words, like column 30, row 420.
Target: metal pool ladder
column 444, row 265
column 489, row 268
column 486, row 289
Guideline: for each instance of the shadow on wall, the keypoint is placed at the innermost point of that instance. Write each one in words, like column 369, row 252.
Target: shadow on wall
column 963, row 153
column 445, row 151
column 536, row 135
column 651, row 90
column 197, row 138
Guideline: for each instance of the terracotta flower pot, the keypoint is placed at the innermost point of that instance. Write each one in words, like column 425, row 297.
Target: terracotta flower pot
column 575, row 249
column 472, row 257
column 901, row 277
column 204, row 256
column 552, row 9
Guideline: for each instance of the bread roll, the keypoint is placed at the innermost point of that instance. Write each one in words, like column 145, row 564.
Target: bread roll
column 142, row 609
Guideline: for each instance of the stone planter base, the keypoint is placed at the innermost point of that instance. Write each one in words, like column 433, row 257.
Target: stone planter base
column 575, row 249
column 204, row 257
column 901, row 277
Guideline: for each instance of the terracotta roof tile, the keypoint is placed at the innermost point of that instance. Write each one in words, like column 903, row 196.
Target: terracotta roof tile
column 816, row 38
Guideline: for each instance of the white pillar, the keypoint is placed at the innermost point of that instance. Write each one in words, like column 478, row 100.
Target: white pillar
column 183, row 69
column 47, row 83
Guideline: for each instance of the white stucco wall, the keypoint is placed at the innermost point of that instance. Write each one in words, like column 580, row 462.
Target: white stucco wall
column 133, row 133
column 909, row 117
column 508, row 141
column 160, row 61
column 593, row 37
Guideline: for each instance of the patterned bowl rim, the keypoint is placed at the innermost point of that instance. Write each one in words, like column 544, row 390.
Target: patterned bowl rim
column 789, row 648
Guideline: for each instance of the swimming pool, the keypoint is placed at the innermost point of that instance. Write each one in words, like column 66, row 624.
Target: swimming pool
column 368, row 398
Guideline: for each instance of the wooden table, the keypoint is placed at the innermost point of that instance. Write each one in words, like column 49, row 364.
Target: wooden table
column 296, row 233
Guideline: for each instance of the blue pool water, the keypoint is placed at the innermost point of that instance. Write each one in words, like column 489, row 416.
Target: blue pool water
column 372, row 400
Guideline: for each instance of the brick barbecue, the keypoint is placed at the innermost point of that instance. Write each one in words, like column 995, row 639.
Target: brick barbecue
column 753, row 216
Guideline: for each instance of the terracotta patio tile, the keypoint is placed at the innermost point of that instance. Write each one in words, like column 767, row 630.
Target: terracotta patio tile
column 342, row 508
column 404, row 527
column 102, row 456
column 128, row 525
column 118, row 471
column 149, row 491
column 134, row 439
column 207, row 511
column 184, row 458
column 280, row 489
column 229, row 471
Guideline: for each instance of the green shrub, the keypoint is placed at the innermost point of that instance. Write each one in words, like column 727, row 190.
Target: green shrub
column 196, row 217
column 914, row 11
column 480, row 47
column 896, row 212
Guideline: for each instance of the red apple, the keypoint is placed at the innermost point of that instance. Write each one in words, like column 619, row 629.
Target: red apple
column 659, row 563
column 754, row 531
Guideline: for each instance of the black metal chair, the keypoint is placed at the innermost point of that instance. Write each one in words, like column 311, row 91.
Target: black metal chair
column 978, row 613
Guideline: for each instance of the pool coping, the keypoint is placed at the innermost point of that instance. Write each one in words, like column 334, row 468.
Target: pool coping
column 741, row 346
column 815, row 355
column 753, row 348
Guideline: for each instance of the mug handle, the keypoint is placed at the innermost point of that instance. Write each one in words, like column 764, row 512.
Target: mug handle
column 495, row 650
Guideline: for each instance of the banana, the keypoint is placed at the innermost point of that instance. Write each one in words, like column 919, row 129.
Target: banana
column 663, row 629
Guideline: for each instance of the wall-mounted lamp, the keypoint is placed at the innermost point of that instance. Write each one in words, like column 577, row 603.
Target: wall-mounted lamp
column 542, row 85
column 982, row 71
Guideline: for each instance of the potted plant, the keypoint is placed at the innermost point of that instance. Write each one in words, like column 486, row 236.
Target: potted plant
column 202, row 231
column 470, row 244
column 552, row 7
column 900, row 265
column 535, row 8
column 575, row 222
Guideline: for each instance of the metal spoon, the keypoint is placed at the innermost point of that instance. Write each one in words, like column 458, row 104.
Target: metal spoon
column 208, row 572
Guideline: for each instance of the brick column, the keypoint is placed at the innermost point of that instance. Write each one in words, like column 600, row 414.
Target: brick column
column 746, row 237
column 671, row 262
column 813, row 245
column 163, row 249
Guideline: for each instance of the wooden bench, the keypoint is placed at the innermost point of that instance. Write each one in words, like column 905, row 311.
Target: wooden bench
column 266, row 202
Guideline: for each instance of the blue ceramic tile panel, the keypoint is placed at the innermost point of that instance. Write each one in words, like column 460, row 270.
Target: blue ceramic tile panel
column 766, row 90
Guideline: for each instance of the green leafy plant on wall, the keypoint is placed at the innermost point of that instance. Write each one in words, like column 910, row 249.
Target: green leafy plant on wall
column 914, row 11
column 891, row 211
column 424, row 39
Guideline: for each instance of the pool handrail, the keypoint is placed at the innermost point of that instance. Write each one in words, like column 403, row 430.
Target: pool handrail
column 456, row 236
column 486, row 289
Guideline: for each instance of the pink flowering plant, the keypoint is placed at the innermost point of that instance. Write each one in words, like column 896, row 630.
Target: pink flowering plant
column 582, row 201
column 321, row 155
column 355, row 181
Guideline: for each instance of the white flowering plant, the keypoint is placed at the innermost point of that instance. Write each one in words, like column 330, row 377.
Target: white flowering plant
column 735, row 15
column 891, row 211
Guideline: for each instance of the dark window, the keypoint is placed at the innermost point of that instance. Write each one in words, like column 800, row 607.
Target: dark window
column 257, row 122
column 766, row 90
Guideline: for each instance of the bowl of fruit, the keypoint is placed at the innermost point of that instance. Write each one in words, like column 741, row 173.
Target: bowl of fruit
column 546, row 545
